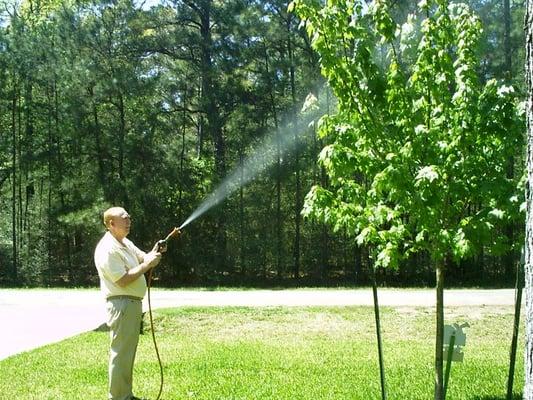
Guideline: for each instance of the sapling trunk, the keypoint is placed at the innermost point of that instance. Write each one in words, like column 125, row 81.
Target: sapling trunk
column 378, row 334
column 439, row 336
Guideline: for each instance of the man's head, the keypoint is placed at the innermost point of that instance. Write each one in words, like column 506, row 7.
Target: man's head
column 117, row 221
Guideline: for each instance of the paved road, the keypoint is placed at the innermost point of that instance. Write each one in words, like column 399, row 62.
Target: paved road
column 33, row 318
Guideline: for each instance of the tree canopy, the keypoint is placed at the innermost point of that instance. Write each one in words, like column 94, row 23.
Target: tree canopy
column 107, row 102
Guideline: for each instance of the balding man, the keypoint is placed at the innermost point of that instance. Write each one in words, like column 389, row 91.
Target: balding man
column 121, row 267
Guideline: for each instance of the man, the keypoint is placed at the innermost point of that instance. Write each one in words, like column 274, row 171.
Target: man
column 121, row 267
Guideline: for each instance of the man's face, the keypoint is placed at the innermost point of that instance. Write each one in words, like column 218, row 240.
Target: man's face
column 122, row 223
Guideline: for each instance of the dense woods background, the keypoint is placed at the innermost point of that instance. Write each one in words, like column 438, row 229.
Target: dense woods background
column 150, row 106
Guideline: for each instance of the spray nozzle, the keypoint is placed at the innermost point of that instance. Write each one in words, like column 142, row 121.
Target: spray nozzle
column 174, row 233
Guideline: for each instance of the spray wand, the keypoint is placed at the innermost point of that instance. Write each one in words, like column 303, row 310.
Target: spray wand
column 163, row 242
column 160, row 244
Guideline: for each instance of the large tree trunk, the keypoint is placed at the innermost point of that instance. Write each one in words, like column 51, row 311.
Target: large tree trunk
column 528, row 387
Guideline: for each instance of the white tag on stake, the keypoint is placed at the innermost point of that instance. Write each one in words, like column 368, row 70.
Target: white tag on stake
column 459, row 340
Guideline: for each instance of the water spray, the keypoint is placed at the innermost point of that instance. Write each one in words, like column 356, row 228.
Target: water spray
column 259, row 161
column 255, row 164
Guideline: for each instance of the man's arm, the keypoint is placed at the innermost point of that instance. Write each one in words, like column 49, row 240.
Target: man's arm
column 150, row 261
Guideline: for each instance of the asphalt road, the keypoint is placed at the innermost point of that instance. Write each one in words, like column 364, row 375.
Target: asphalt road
column 33, row 318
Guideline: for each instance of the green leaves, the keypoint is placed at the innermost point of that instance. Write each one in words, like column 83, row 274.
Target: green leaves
column 417, row 153
column 426, row 175
column 383, row 21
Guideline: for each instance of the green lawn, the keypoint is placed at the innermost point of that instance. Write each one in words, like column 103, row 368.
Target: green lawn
column 278, row 353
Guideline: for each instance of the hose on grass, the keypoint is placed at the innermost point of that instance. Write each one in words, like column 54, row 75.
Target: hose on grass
column 160, row 245
column 149, row 284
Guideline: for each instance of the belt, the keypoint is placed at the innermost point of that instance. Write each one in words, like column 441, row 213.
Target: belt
column 118, row 297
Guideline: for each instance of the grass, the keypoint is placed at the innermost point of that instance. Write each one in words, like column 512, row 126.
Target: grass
column 314, row 353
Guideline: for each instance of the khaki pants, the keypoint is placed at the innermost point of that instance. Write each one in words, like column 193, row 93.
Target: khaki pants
column 124, row 320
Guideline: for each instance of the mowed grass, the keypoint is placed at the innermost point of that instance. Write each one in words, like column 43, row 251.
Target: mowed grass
column 278, row 353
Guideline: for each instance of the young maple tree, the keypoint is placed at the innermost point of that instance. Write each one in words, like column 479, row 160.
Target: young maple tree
column 418, row 150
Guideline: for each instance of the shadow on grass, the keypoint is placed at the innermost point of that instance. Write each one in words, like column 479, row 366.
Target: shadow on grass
column 516, row 396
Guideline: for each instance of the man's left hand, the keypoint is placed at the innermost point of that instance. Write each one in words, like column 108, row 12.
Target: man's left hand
column 160, row 246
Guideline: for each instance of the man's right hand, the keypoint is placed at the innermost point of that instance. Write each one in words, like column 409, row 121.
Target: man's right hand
column 152, row 258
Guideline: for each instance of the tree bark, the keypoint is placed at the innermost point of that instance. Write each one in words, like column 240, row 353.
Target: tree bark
column 528, row 371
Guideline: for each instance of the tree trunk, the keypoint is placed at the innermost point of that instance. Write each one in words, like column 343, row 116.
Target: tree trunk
column 507, row 39
column 121, row 135
column 528, row 370
column 28, row 157
column 241, row 212
column 182, row 156
column 279, row 216
column 378, row 335
column 19, row 175
column 508, row 259
column 99, row 147
column 121, row 149
column 200, row 128
column 298, row 195
column 13, row 275
column 214, row 122
column 324, row 242
column 51, row 103
column 439, row 334
column 516, row 325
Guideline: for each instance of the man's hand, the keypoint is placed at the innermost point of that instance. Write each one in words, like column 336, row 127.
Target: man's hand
column 160, row 246
column 152, row 259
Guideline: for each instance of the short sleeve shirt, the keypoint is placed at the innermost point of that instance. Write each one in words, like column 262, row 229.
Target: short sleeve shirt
column 113, row 259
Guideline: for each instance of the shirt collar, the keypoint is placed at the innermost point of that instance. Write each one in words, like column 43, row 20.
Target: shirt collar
column 114, row 241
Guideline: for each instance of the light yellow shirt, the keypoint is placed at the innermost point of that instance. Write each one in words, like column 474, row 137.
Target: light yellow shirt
column 113, row 260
